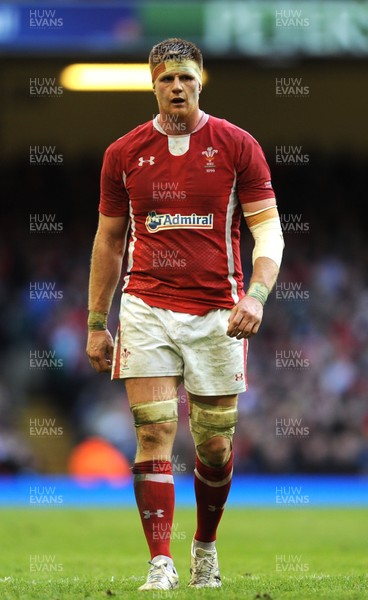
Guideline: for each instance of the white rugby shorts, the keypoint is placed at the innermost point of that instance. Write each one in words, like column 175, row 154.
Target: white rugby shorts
column 156, row 342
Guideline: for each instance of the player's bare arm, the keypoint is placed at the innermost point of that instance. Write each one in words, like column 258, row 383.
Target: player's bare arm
column 263, row 220
column 106, row 262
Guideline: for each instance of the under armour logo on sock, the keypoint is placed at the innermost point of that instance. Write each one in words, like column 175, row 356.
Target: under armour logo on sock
column 159, row 513
column 213, row 508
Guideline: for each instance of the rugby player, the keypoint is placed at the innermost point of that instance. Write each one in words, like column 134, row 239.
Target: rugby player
column 178, row 185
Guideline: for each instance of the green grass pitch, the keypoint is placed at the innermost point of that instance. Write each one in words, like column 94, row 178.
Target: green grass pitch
column 263, row 553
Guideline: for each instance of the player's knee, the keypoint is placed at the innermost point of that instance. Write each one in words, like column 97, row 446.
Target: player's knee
column 212, row 428
column 155, row 436
column 155, row 423
column 215, row 452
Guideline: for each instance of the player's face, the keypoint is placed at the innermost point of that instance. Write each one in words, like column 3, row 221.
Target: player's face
column 177, row 93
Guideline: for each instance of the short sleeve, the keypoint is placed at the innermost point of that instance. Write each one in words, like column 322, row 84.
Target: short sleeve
column 253, row 172
column 114, row 199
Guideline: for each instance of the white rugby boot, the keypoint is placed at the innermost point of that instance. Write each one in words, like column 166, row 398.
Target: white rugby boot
column 162, row 575
column 204, row 569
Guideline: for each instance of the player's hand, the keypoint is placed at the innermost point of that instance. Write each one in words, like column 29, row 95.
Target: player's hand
column 245, row 318
column 100, row 347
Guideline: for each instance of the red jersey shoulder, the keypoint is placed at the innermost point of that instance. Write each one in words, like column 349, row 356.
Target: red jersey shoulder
column 253, row 172
column 230, row 132
column 114, row 198
column 128, row 143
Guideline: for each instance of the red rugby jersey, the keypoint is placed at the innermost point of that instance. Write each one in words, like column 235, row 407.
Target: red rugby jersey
column 183, row 195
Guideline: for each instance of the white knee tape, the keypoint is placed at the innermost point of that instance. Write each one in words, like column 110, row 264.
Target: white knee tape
column 206, row 421
column 163, row 411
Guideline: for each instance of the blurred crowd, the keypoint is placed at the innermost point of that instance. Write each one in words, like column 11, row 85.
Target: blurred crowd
column 306, row 407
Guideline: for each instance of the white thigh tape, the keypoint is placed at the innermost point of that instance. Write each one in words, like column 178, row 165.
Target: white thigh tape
column 163, row 411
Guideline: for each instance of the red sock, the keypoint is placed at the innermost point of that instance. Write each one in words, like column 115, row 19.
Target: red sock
column 154, row 493
column 212, row 486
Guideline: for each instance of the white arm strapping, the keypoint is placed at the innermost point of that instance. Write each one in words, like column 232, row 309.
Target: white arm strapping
column 256, row 212
column 269, row 241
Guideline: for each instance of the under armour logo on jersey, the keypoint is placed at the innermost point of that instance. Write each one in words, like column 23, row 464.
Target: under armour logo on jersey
column 239, row 377
column 159, row 513
column 150, row 160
